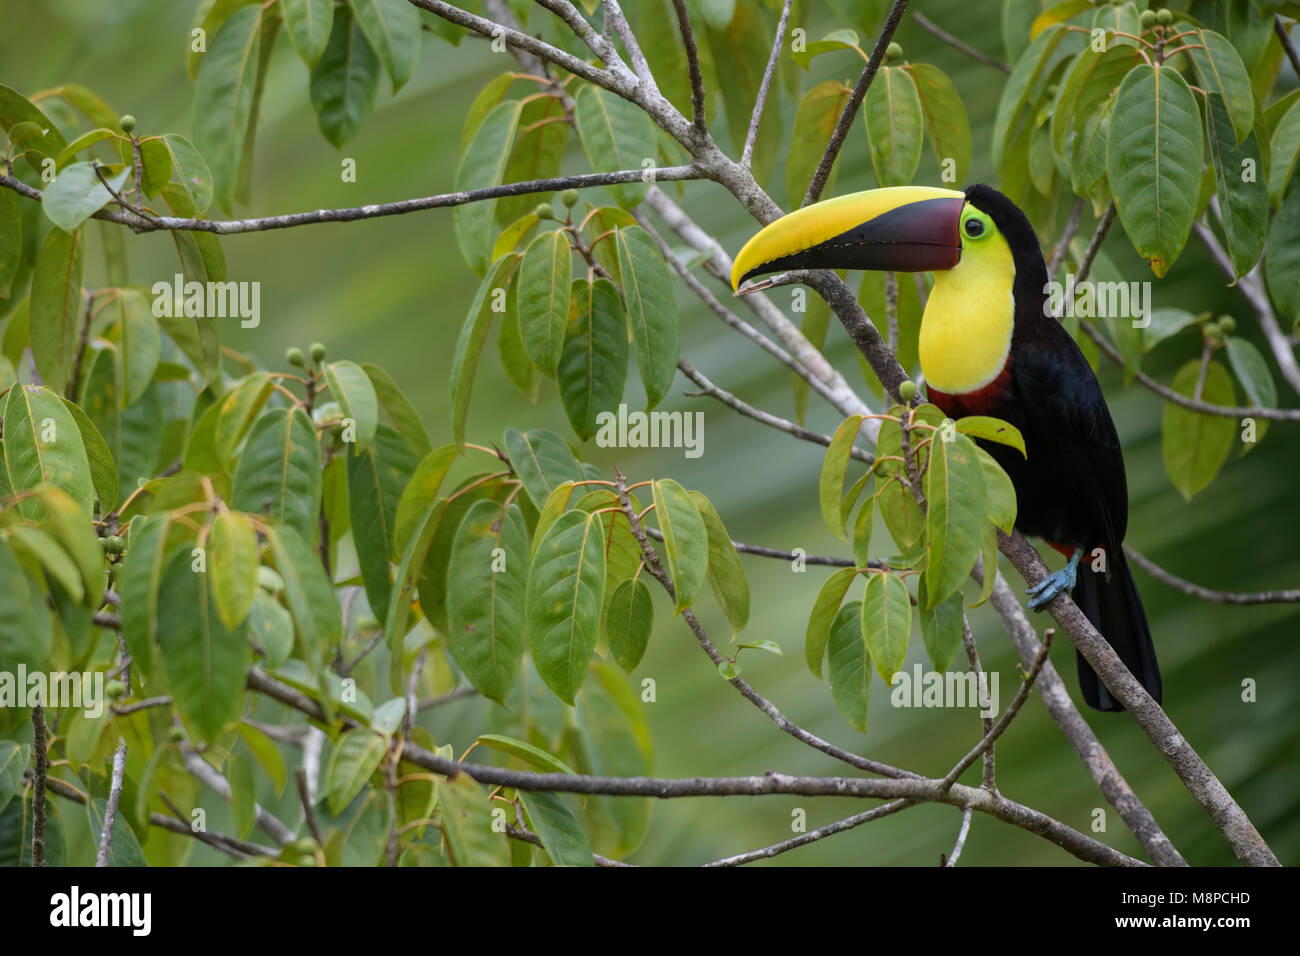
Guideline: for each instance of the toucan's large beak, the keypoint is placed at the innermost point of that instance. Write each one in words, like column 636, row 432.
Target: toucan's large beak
column 897, row 228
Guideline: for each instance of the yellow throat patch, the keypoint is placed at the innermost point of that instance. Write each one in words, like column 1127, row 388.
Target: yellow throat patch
column 970, row 314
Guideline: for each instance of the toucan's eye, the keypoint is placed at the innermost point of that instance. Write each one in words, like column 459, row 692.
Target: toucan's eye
column 974, row 228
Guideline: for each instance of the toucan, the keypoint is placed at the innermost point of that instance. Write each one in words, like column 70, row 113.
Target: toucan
column 990, row 346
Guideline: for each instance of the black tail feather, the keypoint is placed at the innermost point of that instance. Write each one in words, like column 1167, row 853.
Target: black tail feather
column 1113, row 606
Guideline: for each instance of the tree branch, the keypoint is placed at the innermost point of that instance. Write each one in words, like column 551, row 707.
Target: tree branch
column 227, row 227
column 1205, row 594
column 110, row 808
column 698, row 121
column 42, row 765
column 821, row 833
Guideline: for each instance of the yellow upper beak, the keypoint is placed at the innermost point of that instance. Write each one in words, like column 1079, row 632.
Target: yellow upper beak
column 900, row 228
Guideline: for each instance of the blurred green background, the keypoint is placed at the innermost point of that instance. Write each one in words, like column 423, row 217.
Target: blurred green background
column 394, row 291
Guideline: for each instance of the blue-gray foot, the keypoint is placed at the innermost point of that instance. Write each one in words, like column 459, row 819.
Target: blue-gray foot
column 1055, row 583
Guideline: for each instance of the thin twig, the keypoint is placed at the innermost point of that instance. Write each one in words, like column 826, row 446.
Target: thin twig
column 524, row 835
column 960, row 845
column 758, row 415
column 1063, row 244
column 110, row 808
column 812, row 836
column 756, row 117
column 308, row 809
column 698, row 121
column 927, row 24
column 985, row 746
column 1285, row 37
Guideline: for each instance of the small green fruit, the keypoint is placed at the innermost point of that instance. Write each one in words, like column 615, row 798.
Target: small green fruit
column 115, row 689
column 1148, row 18
column 176, row 734
column 1051, row 91
column 569, row 197
column 127, row 123
column 1165, row 17
column 1228, row 324
column 317, row 352
column 907, row 391
column 304, row 845
column 114, row 545
column 1214, row 333
column 307, row 859
column 894, row 51
column 544, row 211
column 293, row 355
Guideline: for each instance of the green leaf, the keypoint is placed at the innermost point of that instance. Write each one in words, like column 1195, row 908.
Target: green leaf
column 155, row 163
column 140, row 344
column 895, row 124
column 202, row 259
column 399, row 409
column 1282, row 258
column 726, row 573
column 819, row 111
column 992, row 429
column 941, row 625
column 862, row 528
column 309, row 23
column 1154, row 155
column 43, row 445
column 538, row 154
column 850, row 666
column 566, row 590
column 266, row 753
column 77, row 194
column 1090, row 81
column 232, row 567
column 465, row 817
column 560, row 832
column 629, row 619
column 311, row 600
column 44, row 140
column 835, row 40
column 138, row 581
column 237, row 412
column 830, row 488
column 526, row 752
column 191, row 170
column 482, row 164
column 1195, row 446
column 24, row 621
column 1284, row 148
column 1243, row 197
column 886, row 622
column 1026, row 79
column 13, row 761
column 224, row 96
column 351, row 388
column 271, row 626
column 1256, row 380
column 946, row 124
column 344, row 80
column 1222, row 74
column 394, row 30
column 279, row 472
column 356, row 756
column 103, row 471
column 54, row 561
column 545, row 280
column 615, row 135
column 487, row 99
column 124, row 847
column 686, row 540
column 652, row 309
column 487, row 578
column 954, row 489
column 376, row 480
column 542, row 461
column 11, row 241
column 593, row 365
column 205, row 662
column 999, row 493
column 420, row 492
column 56, row 305
column 823, row 613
